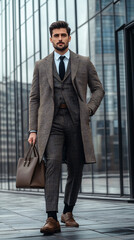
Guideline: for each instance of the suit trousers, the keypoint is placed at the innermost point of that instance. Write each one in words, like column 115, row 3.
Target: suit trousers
column 63, row 133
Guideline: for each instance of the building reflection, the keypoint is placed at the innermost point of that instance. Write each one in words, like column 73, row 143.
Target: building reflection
column 93, row 35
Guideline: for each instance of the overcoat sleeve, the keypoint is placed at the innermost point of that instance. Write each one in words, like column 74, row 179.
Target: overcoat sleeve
column 34, row 100
column 97, row 91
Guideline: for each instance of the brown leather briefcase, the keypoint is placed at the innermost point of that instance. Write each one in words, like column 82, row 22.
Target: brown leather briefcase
column 30, row 172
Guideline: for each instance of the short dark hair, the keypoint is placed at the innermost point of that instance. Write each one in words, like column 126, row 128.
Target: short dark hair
column 59, row 24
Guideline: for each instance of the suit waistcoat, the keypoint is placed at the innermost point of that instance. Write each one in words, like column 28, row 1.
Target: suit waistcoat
column 64, row 93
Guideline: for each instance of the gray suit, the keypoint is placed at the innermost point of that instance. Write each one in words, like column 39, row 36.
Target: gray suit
column 41, row 106
column 65, row 134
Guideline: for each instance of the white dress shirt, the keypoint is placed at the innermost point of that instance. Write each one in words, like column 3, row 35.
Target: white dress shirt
column 57, row 60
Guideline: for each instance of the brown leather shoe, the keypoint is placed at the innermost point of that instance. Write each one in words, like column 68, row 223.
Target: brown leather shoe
column 68, row 219
column 51, row 226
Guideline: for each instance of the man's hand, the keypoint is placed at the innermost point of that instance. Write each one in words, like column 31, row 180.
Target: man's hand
column 32, row 138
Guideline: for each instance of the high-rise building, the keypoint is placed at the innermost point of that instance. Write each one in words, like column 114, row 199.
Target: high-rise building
column 102, row 30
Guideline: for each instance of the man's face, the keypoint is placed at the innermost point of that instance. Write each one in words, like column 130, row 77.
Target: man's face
column 60, row 39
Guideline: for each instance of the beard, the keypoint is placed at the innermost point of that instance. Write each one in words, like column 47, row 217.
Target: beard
column 60, row 48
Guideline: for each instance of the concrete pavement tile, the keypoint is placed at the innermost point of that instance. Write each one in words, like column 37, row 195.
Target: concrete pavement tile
column 5, row 227
column 119, row 232
column 21, row 234
column 24, row 226
column 99, row 220
column 105, row 238
column 128, row 237
column 86, row 234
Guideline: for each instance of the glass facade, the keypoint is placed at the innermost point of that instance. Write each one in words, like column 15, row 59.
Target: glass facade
column 95, row 24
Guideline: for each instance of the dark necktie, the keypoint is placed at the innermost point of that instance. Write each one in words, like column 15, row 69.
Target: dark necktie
column 61, row 67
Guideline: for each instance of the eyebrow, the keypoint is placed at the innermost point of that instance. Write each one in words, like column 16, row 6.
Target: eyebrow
column 62, row 34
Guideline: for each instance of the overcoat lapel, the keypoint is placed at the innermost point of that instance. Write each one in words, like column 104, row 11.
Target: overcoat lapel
column 49, row 70
column 74, row 65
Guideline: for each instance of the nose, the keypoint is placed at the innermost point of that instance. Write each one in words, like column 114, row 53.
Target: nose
column 60, row 37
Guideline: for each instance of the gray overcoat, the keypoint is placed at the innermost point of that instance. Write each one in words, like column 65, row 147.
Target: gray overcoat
column 41, row 103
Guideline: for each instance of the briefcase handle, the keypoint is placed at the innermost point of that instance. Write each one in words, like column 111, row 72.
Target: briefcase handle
column 36, row 154
column 32, row 149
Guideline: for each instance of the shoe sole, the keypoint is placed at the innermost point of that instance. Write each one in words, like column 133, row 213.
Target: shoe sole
column 68, row 225
column 50, row 232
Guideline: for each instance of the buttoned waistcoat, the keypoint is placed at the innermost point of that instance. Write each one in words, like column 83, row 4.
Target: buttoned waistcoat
column 41, row 102
column 64, row 93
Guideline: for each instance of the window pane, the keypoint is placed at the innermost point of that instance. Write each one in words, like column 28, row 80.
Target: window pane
column 83, row 40
column 37, row 56
column 111, row 101
column 51, row 12
column 30, row 37
column 124, row 120
column 7, row 69
column 44, row 33
column 30, row 74
column 25, row 123
column 17, row 14
column 95, row 38
column 11, row 56
column 51, row 17
column 119, row 13
column 3, row 65
column 18, row 111
column 22, row 2
column 41, row 2
column 22, row 15
column 24, row 86
column 23, row 43
column 8, row 25
column 104, row 3
column 0, row 7
column 35, row 5
column 18, row 47
column 86, row 185
column 81, row 8
column 70, row 8
column 0, row 52
column 98, row 131
column 30, row 69
column 61, row 10
column 72, row 44
column 94, row 7
column 29, row 9
column 3, row 30
column 36, row 31
column 130, row 10
column 11, row 21
column 108, row 31
column 24, row 77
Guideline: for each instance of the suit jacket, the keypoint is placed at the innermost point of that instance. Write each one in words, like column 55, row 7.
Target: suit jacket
column 41, row 103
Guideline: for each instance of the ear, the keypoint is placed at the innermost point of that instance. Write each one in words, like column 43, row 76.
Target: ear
column 69, row 38
column 50, row 39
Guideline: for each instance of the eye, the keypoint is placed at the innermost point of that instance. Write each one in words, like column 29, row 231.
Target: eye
column 56, row 35
column 63, row 34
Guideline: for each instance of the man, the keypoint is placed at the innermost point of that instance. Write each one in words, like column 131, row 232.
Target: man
column 59, row 116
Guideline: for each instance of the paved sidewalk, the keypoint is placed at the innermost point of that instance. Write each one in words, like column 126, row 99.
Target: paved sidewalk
column 22, row 215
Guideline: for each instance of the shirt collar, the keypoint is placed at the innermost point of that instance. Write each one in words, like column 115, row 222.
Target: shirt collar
column 57, row 55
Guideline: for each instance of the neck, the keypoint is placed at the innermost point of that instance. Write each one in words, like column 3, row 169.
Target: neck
column 61, row 52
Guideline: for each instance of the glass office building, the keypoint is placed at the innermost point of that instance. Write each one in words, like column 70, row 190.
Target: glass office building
column 102, row 30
